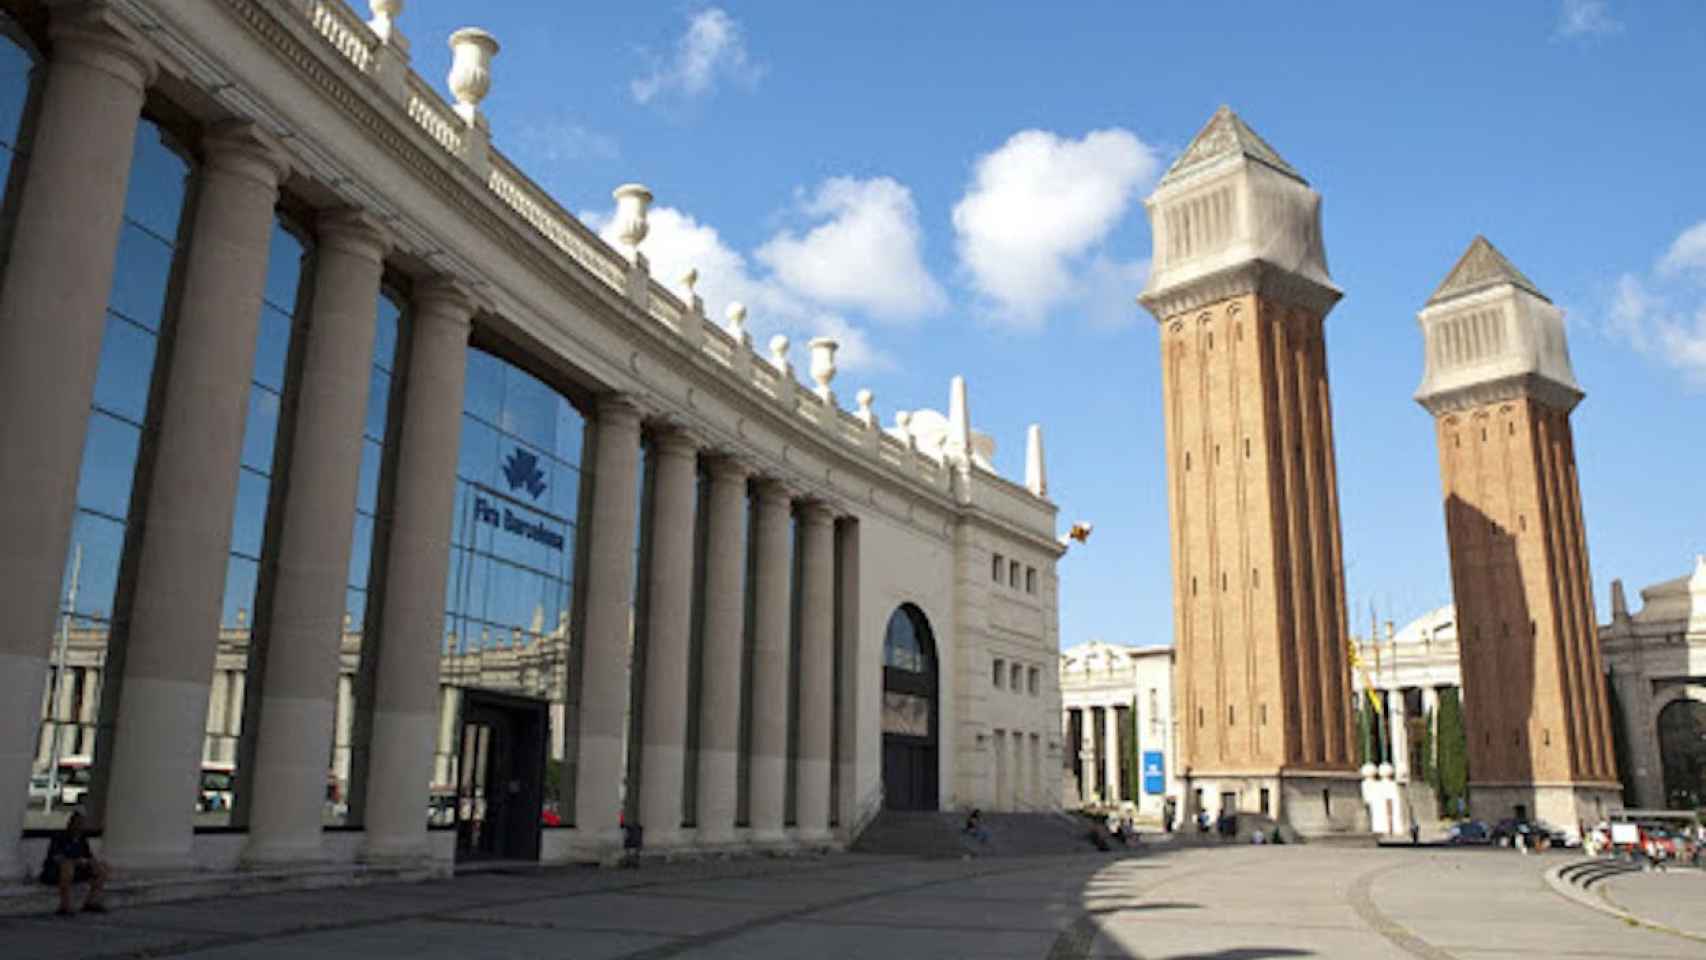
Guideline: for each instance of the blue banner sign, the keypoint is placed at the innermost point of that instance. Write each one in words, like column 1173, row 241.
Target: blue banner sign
column 1154, row 773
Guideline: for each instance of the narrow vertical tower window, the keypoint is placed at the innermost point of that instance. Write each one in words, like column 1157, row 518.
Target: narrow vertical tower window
column 1260, row 267
column 1515, row 392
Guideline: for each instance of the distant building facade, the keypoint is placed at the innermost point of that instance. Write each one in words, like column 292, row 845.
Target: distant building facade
column 1118, row 726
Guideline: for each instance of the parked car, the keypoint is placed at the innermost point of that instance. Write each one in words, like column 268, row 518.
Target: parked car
column 1468, row 833
column 1555, row 836
column 218, row 785
column 41, row 787
column 74, row 779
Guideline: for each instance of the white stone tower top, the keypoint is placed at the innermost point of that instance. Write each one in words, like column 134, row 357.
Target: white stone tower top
column 1490, row 334
column 1232, row 217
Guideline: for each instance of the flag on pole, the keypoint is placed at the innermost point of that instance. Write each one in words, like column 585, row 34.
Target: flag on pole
column 1367, row 682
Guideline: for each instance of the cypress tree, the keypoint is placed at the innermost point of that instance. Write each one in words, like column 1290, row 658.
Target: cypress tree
column 1453, row 752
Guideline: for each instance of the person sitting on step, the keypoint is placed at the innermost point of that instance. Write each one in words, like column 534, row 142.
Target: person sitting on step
column 70, row 861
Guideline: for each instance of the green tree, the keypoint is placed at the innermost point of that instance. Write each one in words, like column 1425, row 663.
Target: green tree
column 1428, row 766
column 1365, row 730
column 1453, row 747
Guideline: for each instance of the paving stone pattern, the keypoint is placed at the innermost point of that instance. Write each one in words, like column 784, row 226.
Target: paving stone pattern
column 1159, row 903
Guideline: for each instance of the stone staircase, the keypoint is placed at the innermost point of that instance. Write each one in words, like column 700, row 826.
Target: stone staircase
column 939, row 835
column 1587, row 873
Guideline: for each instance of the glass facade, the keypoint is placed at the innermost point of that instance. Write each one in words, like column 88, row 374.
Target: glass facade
column 510, row 587
column 147, row 250
column 219, row 775
column 20, row 69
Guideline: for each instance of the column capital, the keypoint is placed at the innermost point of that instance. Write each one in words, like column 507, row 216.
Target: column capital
column 243, row 148
column 817, row 513
column 91, row 33
column 727, row 466
column 620, row 408
column 354, row 231
column 772, row 490
column 444, row 299
column 671, row 439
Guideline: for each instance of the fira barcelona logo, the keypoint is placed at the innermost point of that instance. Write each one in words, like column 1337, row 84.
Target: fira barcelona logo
column 522, row 471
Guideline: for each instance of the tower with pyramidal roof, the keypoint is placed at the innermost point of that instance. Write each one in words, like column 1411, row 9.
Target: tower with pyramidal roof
column 1498, row 382
column 1240, row 287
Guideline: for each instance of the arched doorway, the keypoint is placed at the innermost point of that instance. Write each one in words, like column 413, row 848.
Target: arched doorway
column 1682, row 752
column 909, row 712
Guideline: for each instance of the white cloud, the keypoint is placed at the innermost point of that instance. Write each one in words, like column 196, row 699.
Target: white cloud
column 677, row 242
column 712, row 49
column 560, row 140
column 1581, row 19
column 865, row 256
column 1036, row 206
column 1687, row 254
column 1666, row 322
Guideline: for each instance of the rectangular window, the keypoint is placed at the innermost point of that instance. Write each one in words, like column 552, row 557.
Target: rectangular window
column 1032, row 680
column 1000, row 672
column 1013, row 574
column 1017, row 679
column 1266, row 799
column 1031, row 580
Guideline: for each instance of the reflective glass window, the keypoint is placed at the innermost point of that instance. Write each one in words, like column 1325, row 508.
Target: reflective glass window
column 375, row 432
column 116, row 431
column 220, row 777
column 510, row 582
column 20, row 69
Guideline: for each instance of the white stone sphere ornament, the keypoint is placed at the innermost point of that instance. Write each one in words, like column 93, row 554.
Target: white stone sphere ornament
column 736, row 313
column 471, row 70
column 633, row 201
column 823, row 364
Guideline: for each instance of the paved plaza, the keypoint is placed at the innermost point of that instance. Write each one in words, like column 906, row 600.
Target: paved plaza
column 1190, row 903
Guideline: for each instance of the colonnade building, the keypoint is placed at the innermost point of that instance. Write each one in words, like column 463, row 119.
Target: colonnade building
column 358, row 500
column 1117, row 716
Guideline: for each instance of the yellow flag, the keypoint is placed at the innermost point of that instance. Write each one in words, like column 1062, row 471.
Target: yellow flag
column 1367, row 683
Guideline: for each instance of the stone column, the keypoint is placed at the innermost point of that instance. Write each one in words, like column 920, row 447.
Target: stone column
column 417, row 561
column 607, row 625
column 1399, row 735
column 180, row 574
column 723, row 646
column 305, row 638
column 817, row 667
column 52, row 316
column 669, row 626
column 768, row 768
column 1111, row 756
column 849, row 672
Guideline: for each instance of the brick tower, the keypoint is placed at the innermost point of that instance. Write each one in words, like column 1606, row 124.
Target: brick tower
column 1499, row 386
column 1262, row 685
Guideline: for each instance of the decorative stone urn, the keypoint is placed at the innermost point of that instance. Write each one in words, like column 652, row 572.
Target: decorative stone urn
column 632, row 203
column 779, row 354
column 823, row 364
column 471, row 70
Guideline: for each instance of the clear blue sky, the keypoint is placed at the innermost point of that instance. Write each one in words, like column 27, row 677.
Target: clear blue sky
column 829, row 147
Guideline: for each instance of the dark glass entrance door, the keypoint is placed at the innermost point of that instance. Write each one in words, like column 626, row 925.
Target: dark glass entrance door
column 500, row 774
column 909, row 712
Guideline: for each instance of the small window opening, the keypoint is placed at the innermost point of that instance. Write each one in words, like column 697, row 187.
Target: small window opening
column 1246, row 448
column 1200, row 716
column 997, row 566
column 1000, row 671
column 1231, row 715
